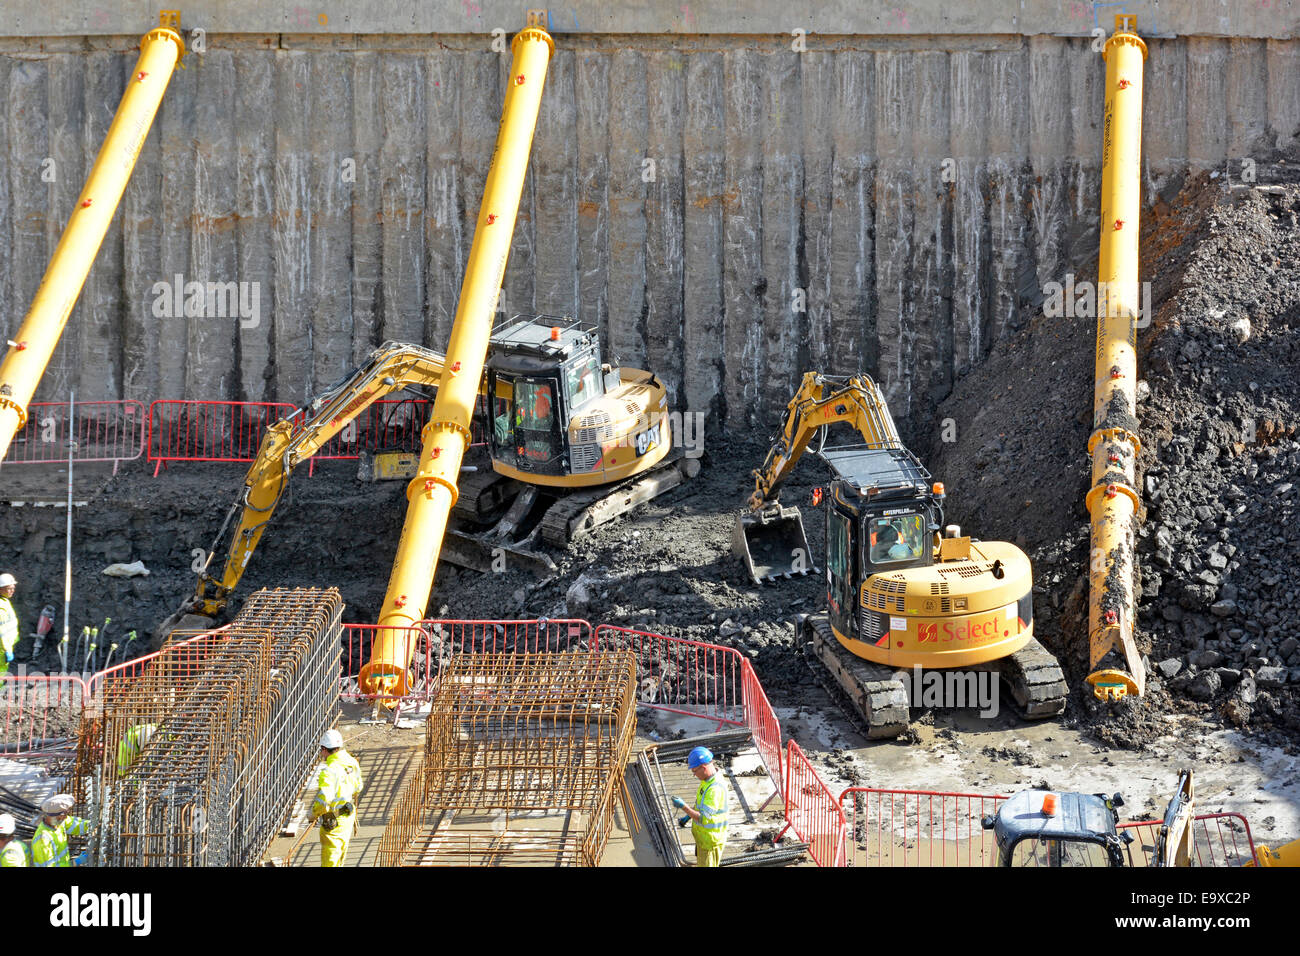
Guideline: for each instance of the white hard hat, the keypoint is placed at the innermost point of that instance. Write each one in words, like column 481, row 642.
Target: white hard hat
column 7, row 580
column 146, row 734
column 7, row 825
column 332, row 739
column 59, row 803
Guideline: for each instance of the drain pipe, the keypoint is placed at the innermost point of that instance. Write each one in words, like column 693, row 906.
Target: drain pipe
column 1114, row 662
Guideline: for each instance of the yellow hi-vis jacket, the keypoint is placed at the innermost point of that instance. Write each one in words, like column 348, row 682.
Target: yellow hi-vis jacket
column 711, row 801
column 339, row 783
column 8, row 628
column 50, row 845
column 14, row 854
column 128, row 748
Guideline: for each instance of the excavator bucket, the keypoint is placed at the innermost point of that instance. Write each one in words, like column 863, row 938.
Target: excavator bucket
column 772, row 543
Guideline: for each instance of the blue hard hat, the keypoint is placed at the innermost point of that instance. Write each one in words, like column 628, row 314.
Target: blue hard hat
column 699, row 757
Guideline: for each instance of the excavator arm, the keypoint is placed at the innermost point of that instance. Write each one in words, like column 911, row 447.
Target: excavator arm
column 770, row 539
column 288, row 443
column 822, row 400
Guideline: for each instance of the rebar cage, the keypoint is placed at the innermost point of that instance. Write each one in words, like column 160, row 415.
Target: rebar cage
column 236, row 720
column 524, row 758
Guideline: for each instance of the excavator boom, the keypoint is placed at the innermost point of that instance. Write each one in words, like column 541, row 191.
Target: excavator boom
column 770, row 539
column 288, row 443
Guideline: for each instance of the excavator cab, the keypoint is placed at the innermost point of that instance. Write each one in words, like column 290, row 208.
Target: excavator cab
column 1043, row 828
column 881, row 518
column 542, row 370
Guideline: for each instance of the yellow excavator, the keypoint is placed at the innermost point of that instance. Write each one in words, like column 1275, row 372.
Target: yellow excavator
column 903, row 591
column 573, row 441
column 573, row 444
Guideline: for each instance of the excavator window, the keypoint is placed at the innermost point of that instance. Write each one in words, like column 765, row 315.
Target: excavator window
column 896, row 538
column 1045, row 851
column 582, row 379
column 534, row 405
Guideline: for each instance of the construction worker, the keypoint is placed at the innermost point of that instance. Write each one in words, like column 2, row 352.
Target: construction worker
column 12, row 850
column 132, row 742
column 8, row 621
column 50, row 844
column 709, row 814
column 336, row 794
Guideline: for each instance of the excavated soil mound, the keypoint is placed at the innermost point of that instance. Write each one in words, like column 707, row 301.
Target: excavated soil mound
column 1219, row 406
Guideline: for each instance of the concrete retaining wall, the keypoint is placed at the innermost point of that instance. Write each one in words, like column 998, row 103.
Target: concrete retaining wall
column 731, row 212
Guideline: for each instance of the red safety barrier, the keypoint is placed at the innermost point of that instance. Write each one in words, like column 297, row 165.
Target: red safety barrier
column 36, row 710
column 918, row 828
column 681, row 676
column 1218, row 839
column 674, row 675
column 186, row 654
column 390, row 424
column 424, row 655
column 761, row 720
column 933, row 828
column 102, row 431
column 187, row 430
column 811, row 810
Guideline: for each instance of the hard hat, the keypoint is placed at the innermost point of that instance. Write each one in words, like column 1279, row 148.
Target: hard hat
column 332, row 739
column 59, row 803
column 7, row 580
column 699, row 757
column 146, row 734
column 7, row 825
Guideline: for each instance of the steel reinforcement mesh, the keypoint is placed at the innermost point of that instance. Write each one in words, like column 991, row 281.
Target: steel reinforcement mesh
column 524, row 759
column 238, row 715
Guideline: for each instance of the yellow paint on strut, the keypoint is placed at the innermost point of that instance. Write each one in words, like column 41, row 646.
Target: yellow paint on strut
column 432, row 492
column 1113, row 500
column 35, row 341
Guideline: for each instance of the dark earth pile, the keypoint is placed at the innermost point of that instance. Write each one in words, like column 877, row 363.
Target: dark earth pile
column 1219, row 404
column 1218, row 552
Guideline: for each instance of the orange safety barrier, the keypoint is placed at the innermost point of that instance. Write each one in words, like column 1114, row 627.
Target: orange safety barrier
column 39, row 709
column 811, row 810
column 190, row 430
column 102, row 431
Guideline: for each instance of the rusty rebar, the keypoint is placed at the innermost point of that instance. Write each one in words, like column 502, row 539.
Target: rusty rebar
column 524, row 757
column 238, row 716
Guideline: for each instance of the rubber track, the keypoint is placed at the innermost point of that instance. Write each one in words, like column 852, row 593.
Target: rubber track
column 1036, row 681
column 871, row 691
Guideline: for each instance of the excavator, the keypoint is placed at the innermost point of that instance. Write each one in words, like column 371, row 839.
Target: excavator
column 903, row 591
column 572, row 439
